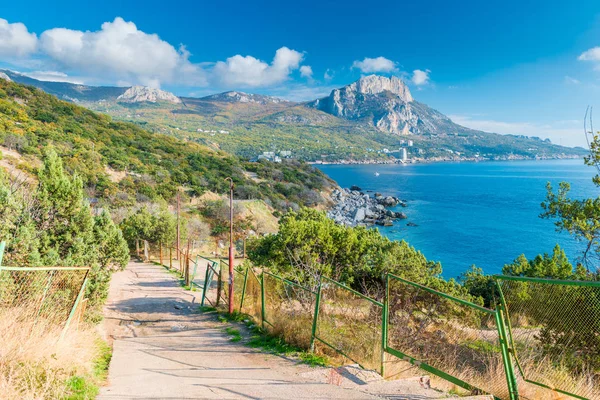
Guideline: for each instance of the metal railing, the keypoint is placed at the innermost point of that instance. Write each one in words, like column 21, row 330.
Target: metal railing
column 541, row 340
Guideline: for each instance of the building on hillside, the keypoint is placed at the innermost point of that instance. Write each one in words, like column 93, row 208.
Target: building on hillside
column 404, row 155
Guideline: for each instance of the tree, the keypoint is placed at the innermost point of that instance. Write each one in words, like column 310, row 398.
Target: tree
column 310, row 245
column 579, row 217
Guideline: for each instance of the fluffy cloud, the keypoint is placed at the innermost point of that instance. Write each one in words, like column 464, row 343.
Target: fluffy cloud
column 15, row 40
column 249, row 71
column 119, row 49
column 120, row 52
column 379, row 64
column 420, row 77
column 592, row 54
column 306, row 71
column 53, row 76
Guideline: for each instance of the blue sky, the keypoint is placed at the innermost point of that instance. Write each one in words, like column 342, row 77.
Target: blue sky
column 505, row 66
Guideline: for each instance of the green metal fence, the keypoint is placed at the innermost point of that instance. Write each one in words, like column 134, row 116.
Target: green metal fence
column 41, row 296
column 541, row 341
column 554, row 330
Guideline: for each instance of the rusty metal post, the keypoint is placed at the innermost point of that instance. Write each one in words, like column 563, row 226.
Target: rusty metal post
column 231, row 249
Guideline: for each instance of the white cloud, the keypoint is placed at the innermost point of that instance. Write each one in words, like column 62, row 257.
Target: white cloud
column 306, row 71
column 571, row 80
column 118, row 49
column 328, row 75
column 420, row 77
column 53, row 76
column 16, row 40
column 379, row 64
column 592, row 54
column 250, row 71
column 566, row 133
column 120, row 52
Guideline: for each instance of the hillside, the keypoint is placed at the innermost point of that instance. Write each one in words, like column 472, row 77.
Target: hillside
column 122, row 163
column 356, row 122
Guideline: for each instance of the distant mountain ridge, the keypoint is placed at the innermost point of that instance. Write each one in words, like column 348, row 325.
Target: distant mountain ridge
column 369, row 119
column 241, row 97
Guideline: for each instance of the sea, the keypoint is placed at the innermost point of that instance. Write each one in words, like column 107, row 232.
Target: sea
column 481, row 213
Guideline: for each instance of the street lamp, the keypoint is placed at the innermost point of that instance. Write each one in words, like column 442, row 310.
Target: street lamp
column 230, row 244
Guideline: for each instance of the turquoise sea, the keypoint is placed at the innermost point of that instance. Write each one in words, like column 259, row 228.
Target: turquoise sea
column 483, row 213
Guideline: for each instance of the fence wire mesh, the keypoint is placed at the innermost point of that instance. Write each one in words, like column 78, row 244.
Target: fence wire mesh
column 39, row 294
column 458, row 339
column 351, row 324
column 555, row 330
column 289, row 310
column 252, row 297
column 210, row 291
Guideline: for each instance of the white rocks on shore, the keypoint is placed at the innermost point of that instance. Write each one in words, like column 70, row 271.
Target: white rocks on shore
column 352, row 208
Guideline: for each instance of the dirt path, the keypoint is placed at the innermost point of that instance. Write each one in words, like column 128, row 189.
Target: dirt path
column 165, row 349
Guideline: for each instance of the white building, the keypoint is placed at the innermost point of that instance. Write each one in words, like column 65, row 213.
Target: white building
column 404, row 155
column 410, row 143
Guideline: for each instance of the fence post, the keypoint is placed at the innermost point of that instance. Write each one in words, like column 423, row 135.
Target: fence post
column 170, row 258
column 244, row 289
column 315, row 319
column 206, row 283
column 160, row 253
column 77, row 301
column 385, row 323
column 219, row 286
column 262, row 299
column 2, row 247
column 506, row 358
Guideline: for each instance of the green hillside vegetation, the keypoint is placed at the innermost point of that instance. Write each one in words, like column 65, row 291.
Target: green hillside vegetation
column 313, row 135
column 155, row 165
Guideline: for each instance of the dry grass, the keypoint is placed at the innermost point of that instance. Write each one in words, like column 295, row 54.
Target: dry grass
column 34, row 365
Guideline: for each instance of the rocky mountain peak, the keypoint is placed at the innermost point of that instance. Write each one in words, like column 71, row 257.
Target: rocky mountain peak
column 375, row 84
column 4, row 76
column 386, row 104
column 137, row 94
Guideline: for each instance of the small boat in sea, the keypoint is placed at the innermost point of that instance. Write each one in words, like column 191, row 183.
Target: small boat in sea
column 376, row 173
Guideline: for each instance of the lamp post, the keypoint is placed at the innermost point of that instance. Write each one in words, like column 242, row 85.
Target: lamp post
column 230, row 244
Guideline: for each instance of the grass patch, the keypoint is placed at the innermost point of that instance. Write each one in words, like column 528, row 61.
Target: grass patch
column 260, row 339
column 86, row 387
column 234, row 334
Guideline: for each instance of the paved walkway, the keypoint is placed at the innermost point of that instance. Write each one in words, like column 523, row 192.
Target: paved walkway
column 165, row 349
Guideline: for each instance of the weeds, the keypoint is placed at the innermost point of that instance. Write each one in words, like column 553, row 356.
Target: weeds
column 260, row 339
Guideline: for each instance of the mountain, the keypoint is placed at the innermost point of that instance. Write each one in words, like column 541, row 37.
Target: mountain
column 241, row 97
column 69, row 91
column 386, row 104
column 365, row 121
column 122, row 163
column 139, row 94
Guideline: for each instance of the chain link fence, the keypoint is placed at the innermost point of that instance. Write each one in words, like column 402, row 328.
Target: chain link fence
column 48, row 295
column 541, row 341
column 555, row 334
column 350, row 324
column 288, row 309
column 452, row 335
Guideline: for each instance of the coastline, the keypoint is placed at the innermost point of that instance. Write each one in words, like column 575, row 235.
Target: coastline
column 443, row 160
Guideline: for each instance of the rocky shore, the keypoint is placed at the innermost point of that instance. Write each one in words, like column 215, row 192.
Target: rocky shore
column 354, row 207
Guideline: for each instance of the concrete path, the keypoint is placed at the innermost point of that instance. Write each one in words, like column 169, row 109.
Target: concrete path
column 165, row 349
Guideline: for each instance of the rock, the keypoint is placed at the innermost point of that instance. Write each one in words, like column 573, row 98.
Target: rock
column 359, row 215
column 4, row 76
column 354, row 208
column 138, row 94
column 411, row 224
column 354, row 187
